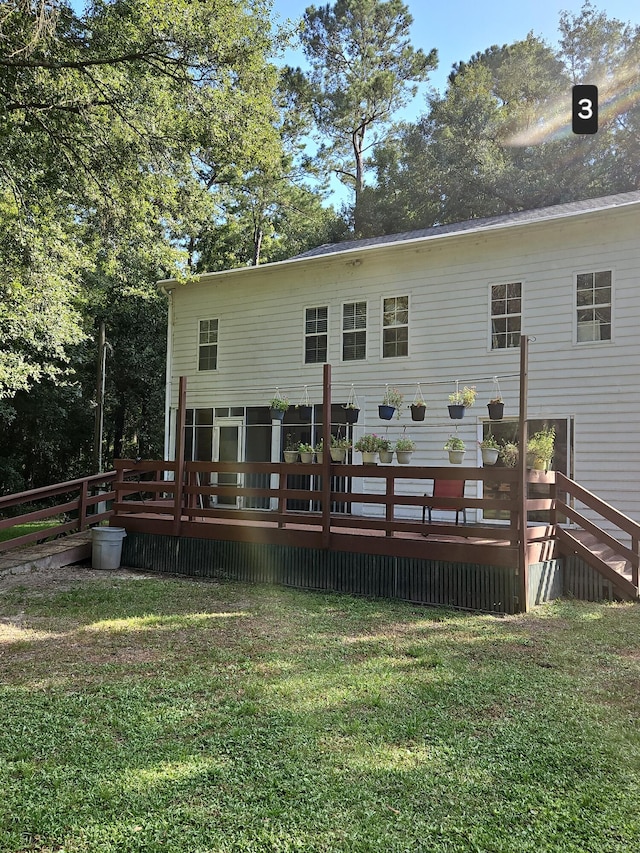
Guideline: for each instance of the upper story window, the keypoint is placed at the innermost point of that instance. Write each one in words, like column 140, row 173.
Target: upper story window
column 354, row 331
column 506, row 315
column 395, row 326
column 593, row 306
column 208, row 345
column 316, row 322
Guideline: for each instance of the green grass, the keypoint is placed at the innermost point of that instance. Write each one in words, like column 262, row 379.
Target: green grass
column 173, row 715
column 29, row 527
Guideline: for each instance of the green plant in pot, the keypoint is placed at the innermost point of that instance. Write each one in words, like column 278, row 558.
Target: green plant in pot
column 540, row 447
column 461, row 400
column 496, row 408
column 404, row 448
column 290, row 449
column 509, row 453
column 456, row 449
column 277, row 407
column 368, row 445
column 306, row 452
column 391, row 403
column 490, row 450
column 339, row 447
column 385, row 450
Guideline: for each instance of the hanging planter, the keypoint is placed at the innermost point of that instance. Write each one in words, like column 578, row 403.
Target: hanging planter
column 352, row 407
column 368, row 445
column 461, row 400
column 306, row 453
column 496, row 404
column 278, row 406
column 490, row 450
column 304, row 407
column 391, row 402
column 496, row 409
column 339, row 447
column 404, row 450
column 456, row 449
column 418, row 407
column 385, row 451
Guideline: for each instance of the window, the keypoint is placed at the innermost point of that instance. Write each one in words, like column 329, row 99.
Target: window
column 506, row 315
column 315, row 335
column 354, row 331
column 395, row 327
column 208, row 345
column 593, row 302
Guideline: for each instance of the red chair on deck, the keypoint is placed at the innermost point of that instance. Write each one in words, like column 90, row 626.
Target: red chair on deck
column 446, row 489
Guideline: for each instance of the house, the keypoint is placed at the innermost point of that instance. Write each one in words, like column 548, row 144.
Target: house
column 427, row 311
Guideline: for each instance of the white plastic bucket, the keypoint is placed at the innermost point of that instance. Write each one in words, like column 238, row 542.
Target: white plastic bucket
column 106, row 547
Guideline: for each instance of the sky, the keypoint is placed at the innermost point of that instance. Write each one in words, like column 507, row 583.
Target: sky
column 460, row 28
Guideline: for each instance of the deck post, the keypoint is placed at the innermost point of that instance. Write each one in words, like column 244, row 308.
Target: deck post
column 178, row 485
column 326, row 456
column 523, row 550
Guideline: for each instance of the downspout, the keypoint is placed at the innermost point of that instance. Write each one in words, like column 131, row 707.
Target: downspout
column 168, row 292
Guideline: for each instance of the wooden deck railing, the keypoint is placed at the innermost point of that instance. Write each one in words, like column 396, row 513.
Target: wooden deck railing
column 76, row 502
column 615, row 555
column 387, row 520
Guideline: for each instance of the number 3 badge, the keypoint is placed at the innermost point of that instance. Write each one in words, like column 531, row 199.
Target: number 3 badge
column 584, row 116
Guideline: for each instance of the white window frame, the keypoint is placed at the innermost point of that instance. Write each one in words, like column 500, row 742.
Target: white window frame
column 305, row 334
column 576, row 307
column 343, row 331
column 215, row 343
column 406, row 296
column 493, row 284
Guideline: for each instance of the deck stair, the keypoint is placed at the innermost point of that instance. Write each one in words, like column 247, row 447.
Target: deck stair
column 616, row 561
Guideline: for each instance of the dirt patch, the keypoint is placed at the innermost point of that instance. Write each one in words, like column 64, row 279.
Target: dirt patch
column 64, row 577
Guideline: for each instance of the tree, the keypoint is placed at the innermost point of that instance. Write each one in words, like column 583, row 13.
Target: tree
column 363, row 70
column 499, row 138
column 108, row 121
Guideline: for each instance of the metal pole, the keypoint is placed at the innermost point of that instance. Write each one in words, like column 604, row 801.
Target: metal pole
column 523, row 556
column 98, row 432
column 326, row 457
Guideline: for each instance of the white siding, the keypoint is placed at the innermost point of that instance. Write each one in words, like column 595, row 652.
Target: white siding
column 261, row 336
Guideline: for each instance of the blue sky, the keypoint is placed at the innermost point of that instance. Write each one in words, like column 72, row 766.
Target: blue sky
column 460, row 28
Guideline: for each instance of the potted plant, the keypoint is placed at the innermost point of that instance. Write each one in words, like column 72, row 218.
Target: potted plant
column 290, row 450
column 490, row 450
column 339, row 447
column 385, row 450
column 391, row 402
column 277, row 407
column 540, row 448
column 352, row 407
column 319, row 449
column 456, row 448
column 496, row 408
column 404, row 449
column 461, row 400
column 306, row 452
column 509, row 454
column 418, row 410
column 368, row 445
column 351, row 412
column 304, row 407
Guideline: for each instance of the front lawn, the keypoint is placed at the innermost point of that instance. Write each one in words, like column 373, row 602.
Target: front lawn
column 143, row 714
